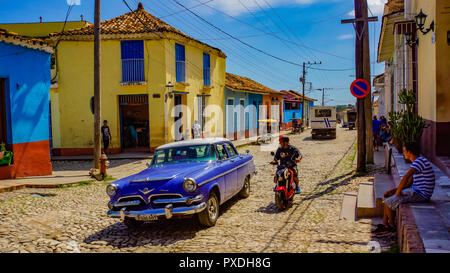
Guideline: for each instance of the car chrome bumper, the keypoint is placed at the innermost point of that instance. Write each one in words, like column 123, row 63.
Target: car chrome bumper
column 168, row 211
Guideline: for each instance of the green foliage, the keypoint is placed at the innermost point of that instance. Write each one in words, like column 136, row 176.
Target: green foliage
column 406, row 126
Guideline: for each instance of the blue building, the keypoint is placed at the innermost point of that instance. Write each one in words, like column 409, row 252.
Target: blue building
column 24, row 105
column 292, row 107
column 243, row 101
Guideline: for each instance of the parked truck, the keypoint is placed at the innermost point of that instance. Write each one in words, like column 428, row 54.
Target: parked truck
column 323, row 122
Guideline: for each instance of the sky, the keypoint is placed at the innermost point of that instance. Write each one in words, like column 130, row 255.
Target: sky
column 282, row 34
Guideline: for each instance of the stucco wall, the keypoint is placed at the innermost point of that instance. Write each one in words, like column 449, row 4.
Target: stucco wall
column 75, row 88
column 27, row 74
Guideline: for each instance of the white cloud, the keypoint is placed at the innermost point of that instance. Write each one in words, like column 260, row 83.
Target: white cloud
column 346, row 37
column 73, row 2
column 351, row 13
column 234, row 7
column 376, row 6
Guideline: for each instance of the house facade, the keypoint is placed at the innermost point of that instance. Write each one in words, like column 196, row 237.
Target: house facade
column 24, row 105
column 247, row 102
column 155, row 82
column 292, row 107
column 417, row 59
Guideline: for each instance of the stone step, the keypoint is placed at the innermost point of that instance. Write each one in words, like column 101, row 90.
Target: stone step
column 383, row 183
column 348, row 210
column 366, row 204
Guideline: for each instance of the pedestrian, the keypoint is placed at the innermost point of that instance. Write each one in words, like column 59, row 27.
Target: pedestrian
column 106, row 135
column 196, row 130
column 383, row 120
column 134, row 135
column 417, row 185
column 376, row 127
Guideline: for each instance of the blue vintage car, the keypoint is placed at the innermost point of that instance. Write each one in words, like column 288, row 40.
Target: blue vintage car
column 184, row 178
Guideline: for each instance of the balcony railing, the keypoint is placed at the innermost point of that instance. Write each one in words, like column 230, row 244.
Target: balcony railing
column 133, row 70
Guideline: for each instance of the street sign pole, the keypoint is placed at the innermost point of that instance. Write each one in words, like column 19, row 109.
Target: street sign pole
column 362, row 63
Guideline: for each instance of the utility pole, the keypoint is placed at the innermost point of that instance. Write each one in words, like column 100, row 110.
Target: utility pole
column 303, row 80
column 97, row 99
column 323, row 95
column 362, row 59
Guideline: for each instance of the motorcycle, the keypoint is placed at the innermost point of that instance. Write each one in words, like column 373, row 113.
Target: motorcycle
column 284, row 189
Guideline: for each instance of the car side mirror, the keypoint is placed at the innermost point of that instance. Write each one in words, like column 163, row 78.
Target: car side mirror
column 272, row 153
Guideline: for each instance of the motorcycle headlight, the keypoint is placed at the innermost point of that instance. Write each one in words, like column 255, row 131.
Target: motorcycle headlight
column 286, row 173
column 111, row 190
column 189, row 185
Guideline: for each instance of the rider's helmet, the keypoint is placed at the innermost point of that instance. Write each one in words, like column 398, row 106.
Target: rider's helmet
column 284, row 138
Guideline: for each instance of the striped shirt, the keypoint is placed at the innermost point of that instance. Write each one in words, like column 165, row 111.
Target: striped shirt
column 423, row 179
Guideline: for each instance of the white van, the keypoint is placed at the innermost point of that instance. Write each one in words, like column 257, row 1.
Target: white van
column 323, row 121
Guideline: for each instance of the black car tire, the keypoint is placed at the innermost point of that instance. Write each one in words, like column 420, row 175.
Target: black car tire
column 132, row 223
column 245, row 191
column 208, row 217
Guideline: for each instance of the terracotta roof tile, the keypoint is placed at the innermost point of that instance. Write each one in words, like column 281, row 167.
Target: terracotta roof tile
column 297, row 94
column 29, row 42
column 245, row 84
column 138, row 21
column 393, row 6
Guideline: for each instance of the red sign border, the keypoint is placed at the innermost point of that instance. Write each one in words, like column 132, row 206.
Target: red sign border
column 354, row 84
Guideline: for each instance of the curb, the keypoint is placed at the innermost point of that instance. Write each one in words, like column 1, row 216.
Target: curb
column 39, row 186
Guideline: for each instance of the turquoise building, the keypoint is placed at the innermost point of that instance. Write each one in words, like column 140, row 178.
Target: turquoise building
column 24, row 105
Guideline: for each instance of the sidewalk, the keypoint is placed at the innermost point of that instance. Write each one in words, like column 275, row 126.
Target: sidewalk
column 424, row 227
column 60, row 178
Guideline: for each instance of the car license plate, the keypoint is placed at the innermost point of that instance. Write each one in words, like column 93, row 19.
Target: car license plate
column 147, row 217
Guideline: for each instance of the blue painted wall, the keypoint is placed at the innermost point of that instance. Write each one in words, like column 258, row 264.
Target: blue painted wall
column 27, row 75
column 289, row 114
column 251, row 117
column 297, row 113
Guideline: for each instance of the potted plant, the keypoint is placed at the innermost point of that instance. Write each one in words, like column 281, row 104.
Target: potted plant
column 407, row 127
column 5, row 156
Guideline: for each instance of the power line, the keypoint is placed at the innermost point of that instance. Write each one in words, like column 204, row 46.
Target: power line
column 237, row 39
column 272, row 34
column 180, row 11
column 249, row 63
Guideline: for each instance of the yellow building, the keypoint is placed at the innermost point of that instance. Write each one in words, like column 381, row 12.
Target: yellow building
column 147, row 68
column 417, row 57
column 42, row 29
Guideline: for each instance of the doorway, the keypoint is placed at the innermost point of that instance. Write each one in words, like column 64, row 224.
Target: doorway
column 3, row 116
column 134, row 123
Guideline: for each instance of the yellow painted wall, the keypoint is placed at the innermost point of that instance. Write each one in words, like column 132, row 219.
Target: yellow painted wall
column 442, row 23
column 41, row 29
column 75, row 88
column 426, row 62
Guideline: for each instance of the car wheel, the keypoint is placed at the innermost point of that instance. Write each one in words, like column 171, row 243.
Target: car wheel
column 132, row 223
column 209, row 215
column 245, row 192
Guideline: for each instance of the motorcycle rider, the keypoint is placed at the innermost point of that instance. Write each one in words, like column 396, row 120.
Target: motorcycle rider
column 288, row 156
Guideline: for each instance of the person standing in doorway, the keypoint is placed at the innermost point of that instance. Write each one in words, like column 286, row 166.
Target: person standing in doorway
column 106, row 135
column 196, row 130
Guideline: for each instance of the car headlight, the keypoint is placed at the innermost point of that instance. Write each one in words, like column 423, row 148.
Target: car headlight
column 111, row 190
column 189, row 185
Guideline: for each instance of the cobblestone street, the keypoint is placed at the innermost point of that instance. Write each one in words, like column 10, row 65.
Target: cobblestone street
column 73, row 219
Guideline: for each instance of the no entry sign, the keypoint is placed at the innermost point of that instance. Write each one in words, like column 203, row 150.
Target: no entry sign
column 360, row 88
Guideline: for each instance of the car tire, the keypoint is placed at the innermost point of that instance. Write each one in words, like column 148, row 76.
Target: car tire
column 245, row 191
column 132, row 223
column 208, row 217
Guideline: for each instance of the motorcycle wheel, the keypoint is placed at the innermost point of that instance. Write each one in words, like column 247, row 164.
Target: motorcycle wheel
column 279, row 201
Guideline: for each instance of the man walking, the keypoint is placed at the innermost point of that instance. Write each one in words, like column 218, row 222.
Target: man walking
column 106, row 135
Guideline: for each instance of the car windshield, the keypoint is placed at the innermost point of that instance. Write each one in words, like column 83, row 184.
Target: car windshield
column 192, row 153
